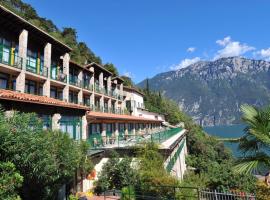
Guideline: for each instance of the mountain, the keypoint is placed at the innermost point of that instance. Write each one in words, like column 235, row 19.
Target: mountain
column 213, row 91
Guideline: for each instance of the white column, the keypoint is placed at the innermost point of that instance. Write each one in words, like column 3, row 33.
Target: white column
column 116, row 132
column 23, row 40
column 66, row 59
column 109, row 83
column 47, row 65
column 55, row 121
column 84, row 127
column 126, row 129
column 103, row 133
column 92, row 81
column 121, row 89
column 101, row 101
column 80, row 94
column 134, row 130
column 109, row 104
column 100, row 79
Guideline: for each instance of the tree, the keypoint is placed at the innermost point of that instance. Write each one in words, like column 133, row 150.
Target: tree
column 147, row 86
column 127, row 81
column 10, row 181
column 110, row 67
column 152, row 174
column 255, row 144
column 116, row 174
column 45, row 159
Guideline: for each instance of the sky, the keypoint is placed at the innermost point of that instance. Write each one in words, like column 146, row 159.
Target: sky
column 145, row 37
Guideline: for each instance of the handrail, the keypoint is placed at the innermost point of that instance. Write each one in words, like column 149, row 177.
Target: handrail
column 129, row 139
column 11, row 59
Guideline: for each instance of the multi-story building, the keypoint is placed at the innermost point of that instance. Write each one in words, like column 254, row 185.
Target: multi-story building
column 135, row 104
column 86, row 102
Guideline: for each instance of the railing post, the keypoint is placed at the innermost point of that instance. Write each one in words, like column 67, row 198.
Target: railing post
column 216, row 197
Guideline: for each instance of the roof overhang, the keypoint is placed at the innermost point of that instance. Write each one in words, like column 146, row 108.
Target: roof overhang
column 101, row 68
column 15, row 22
column 119, row 79
column 42, row 100
column 109, row 117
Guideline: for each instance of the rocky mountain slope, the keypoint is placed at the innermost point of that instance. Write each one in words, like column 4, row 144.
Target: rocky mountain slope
column 213, row 91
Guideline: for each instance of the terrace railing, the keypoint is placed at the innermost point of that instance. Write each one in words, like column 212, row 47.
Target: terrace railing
column 130, row 139
column 174, row 158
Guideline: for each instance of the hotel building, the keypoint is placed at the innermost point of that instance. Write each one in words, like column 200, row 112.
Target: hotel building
column 86, row 102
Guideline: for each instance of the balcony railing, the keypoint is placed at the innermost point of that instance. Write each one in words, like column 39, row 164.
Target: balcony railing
column 59, row 77
column 41, row 72
column 130, row 139
column 98, row 88
column 97, row 108
column 75, row 81
column 87, row 86
column 13, row 60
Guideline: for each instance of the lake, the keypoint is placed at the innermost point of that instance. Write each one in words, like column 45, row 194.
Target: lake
column 232, row 131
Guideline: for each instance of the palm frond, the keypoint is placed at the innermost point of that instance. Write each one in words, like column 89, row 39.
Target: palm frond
column 252, row 163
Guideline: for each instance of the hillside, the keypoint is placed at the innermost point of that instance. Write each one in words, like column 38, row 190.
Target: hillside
column 212, row 91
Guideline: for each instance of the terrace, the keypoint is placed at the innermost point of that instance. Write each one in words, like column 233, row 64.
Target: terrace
column 127, row 139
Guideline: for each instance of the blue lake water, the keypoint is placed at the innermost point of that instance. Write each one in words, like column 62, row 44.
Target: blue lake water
column 232, row 131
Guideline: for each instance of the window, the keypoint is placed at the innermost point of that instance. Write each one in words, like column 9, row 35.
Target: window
column 72, row 126
column 53, row 92
column 109, row 128
column 73, row 97
column 32, row 61
column 47, row 121
column 86, row 100
column 73, row 75
column 6, row 48
column 95, row 128
column 4, row 81
column 86, row 79
column 54, row 71
column 30, row 87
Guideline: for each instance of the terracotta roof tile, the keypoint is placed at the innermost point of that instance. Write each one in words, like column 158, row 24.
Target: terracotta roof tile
column 100, row 115
column 30, row 98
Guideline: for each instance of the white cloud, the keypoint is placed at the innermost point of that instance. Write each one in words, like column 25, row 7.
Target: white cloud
column 225, row 41
column 185, row 63
column 264, row 53
column 191, row 49
column 231, row 48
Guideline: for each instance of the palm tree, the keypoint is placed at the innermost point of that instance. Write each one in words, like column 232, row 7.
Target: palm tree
column 255, row 144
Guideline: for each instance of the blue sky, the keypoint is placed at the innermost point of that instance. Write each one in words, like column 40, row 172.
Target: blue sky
column 146, row 37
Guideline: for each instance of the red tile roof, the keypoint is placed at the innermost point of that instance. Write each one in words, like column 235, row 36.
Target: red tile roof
column 110, row 116
column 30, row 98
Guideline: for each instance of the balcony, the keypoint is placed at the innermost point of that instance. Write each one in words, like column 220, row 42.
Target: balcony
column 59, row 77
column 75, row 81
column 97, row 108
column 10, row 59
column 87, row 103
column 86, row 85
column 31, row 66
column 99, row 89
